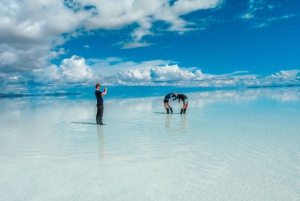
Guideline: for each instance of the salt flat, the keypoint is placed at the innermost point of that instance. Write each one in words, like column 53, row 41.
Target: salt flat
column 231, row 145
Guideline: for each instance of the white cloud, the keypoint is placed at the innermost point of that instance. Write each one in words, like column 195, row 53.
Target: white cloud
column 111, row 66
column 109, row 15
column 247, row 16
column 24, row 58
column 257, row 18
column 172, row 72
column 173, row 75
column 113, row 71
column 73, row 70
column 135, row 45
column 159, row 73
column 253, row 7
column 287, row 74
column 30, row 30
column 281, row 17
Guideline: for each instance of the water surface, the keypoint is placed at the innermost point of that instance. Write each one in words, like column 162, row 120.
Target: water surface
column 231, row 145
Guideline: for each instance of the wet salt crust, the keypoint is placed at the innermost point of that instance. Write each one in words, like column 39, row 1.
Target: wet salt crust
column 231, row 145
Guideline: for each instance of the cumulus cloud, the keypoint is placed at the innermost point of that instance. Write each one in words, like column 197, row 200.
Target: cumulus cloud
column 176, row 76
column 112, row 65
column 173, row 72
column 31, row 30
column 113, row 71
column 155, row 74
column 73, row 70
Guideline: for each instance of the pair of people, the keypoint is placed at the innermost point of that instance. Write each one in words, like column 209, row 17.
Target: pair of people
column 172, row 97
column 169, row 97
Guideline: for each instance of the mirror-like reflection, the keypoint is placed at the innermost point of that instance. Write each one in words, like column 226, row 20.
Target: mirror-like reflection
column 176, row 125
column 227, row 140
column 101, row 141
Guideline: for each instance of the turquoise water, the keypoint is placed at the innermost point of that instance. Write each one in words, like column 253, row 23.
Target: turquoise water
column 231, row 145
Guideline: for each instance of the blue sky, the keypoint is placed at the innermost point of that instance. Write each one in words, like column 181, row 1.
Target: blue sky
column 135, row 42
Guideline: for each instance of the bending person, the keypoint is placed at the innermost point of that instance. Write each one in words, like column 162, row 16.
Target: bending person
column 184, row 99
column 100, row 107
column 169, row 97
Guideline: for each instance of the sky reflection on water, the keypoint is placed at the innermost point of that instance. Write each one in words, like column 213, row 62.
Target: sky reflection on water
column 232, row 145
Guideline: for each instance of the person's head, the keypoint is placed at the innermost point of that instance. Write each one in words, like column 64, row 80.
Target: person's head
column 97, row 86
column 174, row 94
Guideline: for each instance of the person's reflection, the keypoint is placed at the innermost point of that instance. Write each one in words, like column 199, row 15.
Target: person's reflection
column 101, row 142
column 174, row 127
column 185, row 122
column 167, row 121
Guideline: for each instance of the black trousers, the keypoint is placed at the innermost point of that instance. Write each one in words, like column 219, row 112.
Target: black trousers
column 100, row 109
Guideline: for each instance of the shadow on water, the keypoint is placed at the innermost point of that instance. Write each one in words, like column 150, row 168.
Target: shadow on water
column 165, row 113
column 90, row 123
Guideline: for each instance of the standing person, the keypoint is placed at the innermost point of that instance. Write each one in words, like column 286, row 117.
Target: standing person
column 100, row 107
column 169, row 97
column 184, row 100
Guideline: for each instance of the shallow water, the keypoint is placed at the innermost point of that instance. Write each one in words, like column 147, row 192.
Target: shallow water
column 231, row 145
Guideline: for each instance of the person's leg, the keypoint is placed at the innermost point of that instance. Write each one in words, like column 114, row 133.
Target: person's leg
column 185, row 107
column 181, row 111
column 98, row 113
column 166, row 106
column 170, row 107
column 101, row 108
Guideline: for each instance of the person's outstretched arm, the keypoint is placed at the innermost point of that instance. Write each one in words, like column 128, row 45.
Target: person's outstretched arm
column 104, row 92
column 177, row 97
column 174, row 98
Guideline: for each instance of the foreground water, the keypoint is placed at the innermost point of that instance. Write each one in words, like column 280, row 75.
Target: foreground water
column 231, row 145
